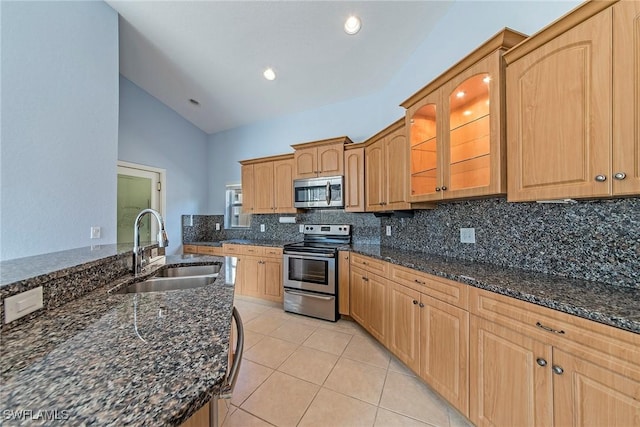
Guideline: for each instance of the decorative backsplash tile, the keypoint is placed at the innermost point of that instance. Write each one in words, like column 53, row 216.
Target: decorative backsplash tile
column 594, row 240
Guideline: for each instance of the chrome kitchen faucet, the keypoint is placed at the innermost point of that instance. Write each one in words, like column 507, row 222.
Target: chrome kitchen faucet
column 138, row 251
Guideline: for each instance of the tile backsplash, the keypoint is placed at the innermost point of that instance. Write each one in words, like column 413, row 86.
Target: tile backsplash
column 594, row 240
column 365, row 226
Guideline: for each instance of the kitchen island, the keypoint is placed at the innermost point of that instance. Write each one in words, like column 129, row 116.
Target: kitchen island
column 120, row 359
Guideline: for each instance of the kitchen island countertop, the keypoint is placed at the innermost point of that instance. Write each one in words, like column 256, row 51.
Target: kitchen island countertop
column 120, row 359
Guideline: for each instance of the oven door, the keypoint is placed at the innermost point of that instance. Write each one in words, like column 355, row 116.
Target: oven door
column 310, row 272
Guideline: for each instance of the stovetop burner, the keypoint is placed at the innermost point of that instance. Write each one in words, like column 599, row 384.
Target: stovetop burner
column 322, row 238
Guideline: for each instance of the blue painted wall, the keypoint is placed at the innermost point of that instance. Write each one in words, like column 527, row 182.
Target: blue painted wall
column 152, row 134
column 466, row 25
column 59, row 125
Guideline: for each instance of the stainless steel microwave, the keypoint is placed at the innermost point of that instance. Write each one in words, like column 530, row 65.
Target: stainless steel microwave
column 325, row 192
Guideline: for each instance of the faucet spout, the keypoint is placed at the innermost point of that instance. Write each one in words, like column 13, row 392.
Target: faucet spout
column 163, row 240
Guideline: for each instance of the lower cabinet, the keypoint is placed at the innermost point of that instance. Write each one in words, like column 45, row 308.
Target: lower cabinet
column 368, row 300
column 343, row 282
column 259, row 271
column 531, row 366
column 431, row 337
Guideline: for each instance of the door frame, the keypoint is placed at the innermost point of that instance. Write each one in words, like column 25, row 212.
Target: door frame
column 163, row 187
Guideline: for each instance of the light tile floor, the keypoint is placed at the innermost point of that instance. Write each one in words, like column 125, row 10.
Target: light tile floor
column 299, row 371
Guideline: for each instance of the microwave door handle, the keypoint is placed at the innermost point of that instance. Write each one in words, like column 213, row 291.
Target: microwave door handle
column 328, row 192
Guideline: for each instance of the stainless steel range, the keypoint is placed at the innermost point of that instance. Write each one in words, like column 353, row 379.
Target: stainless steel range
column 311, row 271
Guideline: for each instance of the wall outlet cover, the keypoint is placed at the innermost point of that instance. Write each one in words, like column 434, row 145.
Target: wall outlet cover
column 217, row 226
column 301, row 228
column 467, row 235
column 22, row 304
column 262, row 228
column 388, row 230
column 95, row 232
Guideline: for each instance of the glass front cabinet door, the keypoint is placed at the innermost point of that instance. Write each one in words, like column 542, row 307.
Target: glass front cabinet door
column 455, row 128
column 425, row 162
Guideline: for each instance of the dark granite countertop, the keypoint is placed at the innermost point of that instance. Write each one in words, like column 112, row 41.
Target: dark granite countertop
column 612, row 305
column 217, row 243
column 86, row 361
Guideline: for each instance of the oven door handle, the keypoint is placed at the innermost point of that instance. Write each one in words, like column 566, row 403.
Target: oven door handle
column 304, row 294
column 309, row 255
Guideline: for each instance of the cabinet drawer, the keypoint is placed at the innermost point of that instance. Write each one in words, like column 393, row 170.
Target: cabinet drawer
column 437, row 287
column 608, row 345
column 272, row 252
column 210, row 250
column 252, row 250
column 229, row 248
column 189, row 249
column 370, row 264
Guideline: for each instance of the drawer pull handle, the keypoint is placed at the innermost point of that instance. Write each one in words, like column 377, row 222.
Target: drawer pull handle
column 419, row 282
column 548, row 329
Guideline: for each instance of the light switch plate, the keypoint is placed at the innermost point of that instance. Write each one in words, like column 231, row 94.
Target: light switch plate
column 22, row 304
column 467, row 235
column 388, row 231
column 95, row 232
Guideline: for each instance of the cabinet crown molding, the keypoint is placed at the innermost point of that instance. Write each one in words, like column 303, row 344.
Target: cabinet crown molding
column 503, row 40
column 342, row 139
column 384, row 132
column 267, row 159
column 566, row 22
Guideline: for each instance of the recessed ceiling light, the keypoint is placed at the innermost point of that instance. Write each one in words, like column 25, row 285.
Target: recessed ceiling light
column 467, row 113
column 194, row 102
column 487, row 79
column 352, row 25
column 460, row 94
column 269, row 74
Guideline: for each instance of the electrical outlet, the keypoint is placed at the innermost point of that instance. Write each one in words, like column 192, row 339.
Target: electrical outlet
column 217, row 226
column 388, row 230
column 262, row 228
column 95, row 232
column 22, row 304
column 467, row 235
column 301, row 228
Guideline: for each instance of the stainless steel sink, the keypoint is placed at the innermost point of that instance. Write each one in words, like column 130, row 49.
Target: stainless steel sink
column 161, row 284
column 190, row 270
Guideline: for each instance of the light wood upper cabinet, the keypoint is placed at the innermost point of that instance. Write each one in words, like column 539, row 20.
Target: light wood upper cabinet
column 456, row 128
column 267, row 185
column 354, row 178
column 320, row 158
column 574, row 106
column 386, row 168
column 626, row 98
column 283, row 186
column 248, row 188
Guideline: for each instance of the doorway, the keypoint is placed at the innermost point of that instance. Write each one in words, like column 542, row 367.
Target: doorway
column 139, row 187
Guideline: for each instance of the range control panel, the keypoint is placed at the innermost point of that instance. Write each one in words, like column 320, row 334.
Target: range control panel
column 332, row 229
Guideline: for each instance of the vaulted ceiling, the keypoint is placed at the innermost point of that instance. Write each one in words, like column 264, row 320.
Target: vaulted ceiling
column 216, row 51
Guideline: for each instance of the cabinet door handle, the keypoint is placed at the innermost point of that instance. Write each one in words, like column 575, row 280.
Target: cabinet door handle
column 557, row 370
column 620, row 176
column 438, row 188
column 415, row 302
column 421, row 305
column 365, row 279
column 600, row 178
column 548, row 329
column 540, row 361
column 444, row 188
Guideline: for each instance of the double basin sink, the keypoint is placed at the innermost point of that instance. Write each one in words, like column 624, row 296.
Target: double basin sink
column 175, row 278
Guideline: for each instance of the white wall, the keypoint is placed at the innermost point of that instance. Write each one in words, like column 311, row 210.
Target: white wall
column 152, row 134
column 466, row 26
column 59, row 125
